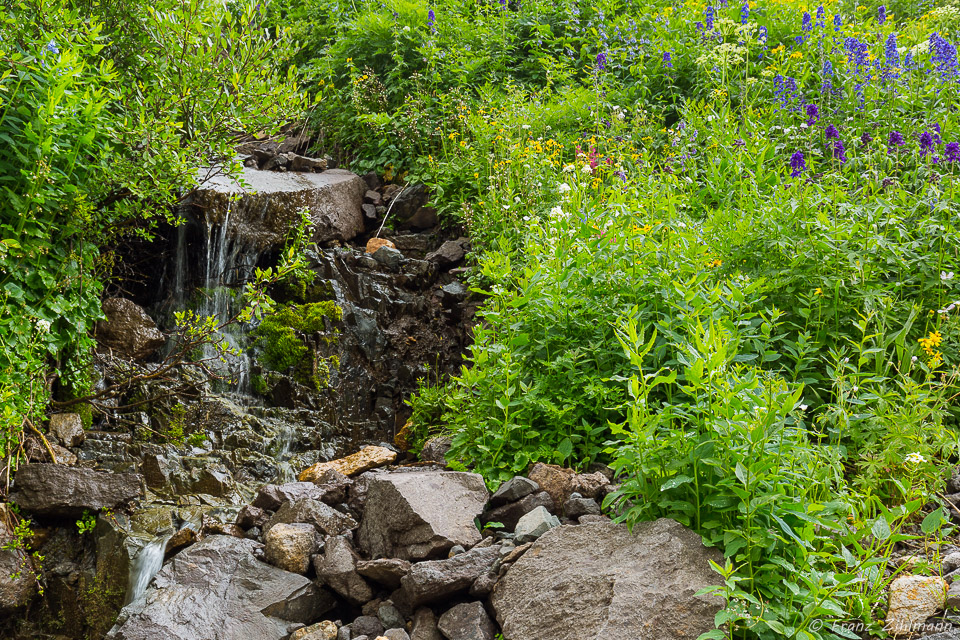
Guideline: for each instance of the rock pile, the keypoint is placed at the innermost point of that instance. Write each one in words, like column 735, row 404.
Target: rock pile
column 396, row 554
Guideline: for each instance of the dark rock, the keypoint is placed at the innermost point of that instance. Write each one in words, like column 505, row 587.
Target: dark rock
column 326, row 519
column 213, row 481
column 450, row 253
column 157, row 470
column 385, row 571
column 337, row 568
column 390, row 616
column 373, row 197
column 483, row 586
column 218, row 590
column 17, row 582
column 302, row 163
column 509, row 514
column 36, row 451
column 435, row 449
column 404, row 519
column 453, row 294
column 181, row 539
column 388, row 257
column 57, row 490
column 613, row 583
column 128, row 331
column 277, row 163
column 372, row 181
column 469, row 621
column 574, row 508
column 424, row 218
column 436, row 580
column 425, row 625
column 555, row 480
column 513, row 490
column 366, row 626
column 408, row 201
column 68, row 429
column 251, row 516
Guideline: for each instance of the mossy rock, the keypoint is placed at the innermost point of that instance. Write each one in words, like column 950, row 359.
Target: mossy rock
column 283, row 340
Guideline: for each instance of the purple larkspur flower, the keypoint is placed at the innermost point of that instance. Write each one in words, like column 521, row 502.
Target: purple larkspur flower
column 807, row 23
column 813, row 114
column 431, row 20
column 838, row 151
column 798, row 164
column 837, row 22
column 52, row 47
column 865, row 138
column 882, row 14
column 708, row 17
column 895, row 139
column 762, row 34
column 821, row 14
column 890, row 51
column 601, row 61
column 745, row 12
column 926, row 143
column 952, row 151
column 831, row 132
column 668, row 60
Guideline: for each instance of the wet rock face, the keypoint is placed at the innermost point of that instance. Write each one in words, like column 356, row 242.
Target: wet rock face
column 58, row 490
column 17, row 584
column 218, row 590
column 268, row 207
column 615, row 584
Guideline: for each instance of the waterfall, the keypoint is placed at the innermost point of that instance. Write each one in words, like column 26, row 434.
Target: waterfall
column 144, row 567
column 228, row 264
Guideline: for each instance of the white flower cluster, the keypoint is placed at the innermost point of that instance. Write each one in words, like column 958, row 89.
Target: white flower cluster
column 724, row 55
column 914, row 458
column 43, row 325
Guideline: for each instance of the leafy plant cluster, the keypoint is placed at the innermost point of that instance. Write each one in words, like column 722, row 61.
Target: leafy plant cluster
column 718, row 247
column 106, row 112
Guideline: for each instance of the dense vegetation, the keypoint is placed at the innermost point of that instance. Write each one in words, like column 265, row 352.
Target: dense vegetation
column 717, row 241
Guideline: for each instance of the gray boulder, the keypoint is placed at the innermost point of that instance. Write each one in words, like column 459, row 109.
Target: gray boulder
column 337, row 568
column 535, row 524
column 512, row 490
column 509, row 514
column 385, row 571
column 615, row 584
column 425, row 625
column 268, row 206
column 468, row 621
column 218, row 590
column 326, row 519
column 440, row 579
column 422, row 514
column 332, row 490
column 128, row 331
column 366, row 626
column 57, row 490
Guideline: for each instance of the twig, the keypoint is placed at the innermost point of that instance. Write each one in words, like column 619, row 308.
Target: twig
column 53, row 456
column 387, row 214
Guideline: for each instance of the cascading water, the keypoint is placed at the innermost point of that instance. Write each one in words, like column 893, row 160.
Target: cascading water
column 144, row 567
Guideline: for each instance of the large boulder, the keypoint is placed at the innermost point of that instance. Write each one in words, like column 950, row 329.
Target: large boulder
column 599, row 581
column 17, row 581
column 218, row 590
column 260, row 213
column 468, row 621
column 289, row 546
column 332, row 491
column 325, row 518
column 912, row 600
column 57, row 490
column 128, row 331
column 420, row 515
column 337, row 568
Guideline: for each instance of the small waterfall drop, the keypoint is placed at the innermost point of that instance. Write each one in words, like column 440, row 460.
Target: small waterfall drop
column 144, row 567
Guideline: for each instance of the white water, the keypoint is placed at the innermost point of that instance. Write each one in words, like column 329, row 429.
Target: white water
column 144, row 567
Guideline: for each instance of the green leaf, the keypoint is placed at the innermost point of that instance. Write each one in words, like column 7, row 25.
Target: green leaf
column 933, row 521
column 880, row 529
column 565, row 448
column 675, row 482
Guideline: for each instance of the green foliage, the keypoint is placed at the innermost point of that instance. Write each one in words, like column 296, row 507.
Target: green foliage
column 87, row 522
column 87, row 157
column 290, row 337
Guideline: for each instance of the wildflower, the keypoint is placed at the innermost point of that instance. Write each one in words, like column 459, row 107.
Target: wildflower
column 52, row 47
column 914, row 458
column 667, row 62
column 882, row 14
column 926, row 143
column 807, row 23
column 43, row 325
column 865, row 138
column 839, row 152
column 601, row 61
column 803, row 407
column 837, row 22
column 895, row 140
column 890, row 51
column 745, row 12
column 944, row 275
column 557, row 212
column 431, row 21
column 587, row 169
column 831, row 133
column 820, row 16
column 953, row 151
column 827, row 73
column 944, row 56
column 813, row 114
column 818, row 291
column 563, row 188
column 708, row 17
column 570, row 168
column 762, row 35
column 798, row 164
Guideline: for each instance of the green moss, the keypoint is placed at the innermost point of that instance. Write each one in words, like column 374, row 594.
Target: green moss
column 282, row 338
column 100, row 603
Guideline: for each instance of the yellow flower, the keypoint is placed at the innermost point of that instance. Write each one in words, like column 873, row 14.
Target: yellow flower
column 818, row 291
